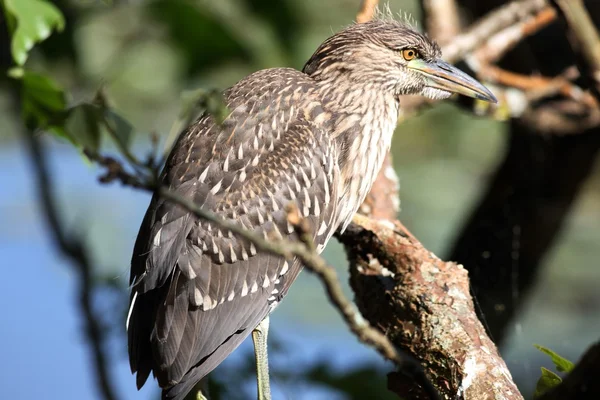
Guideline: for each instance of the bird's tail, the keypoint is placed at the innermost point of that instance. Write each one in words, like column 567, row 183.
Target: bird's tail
column 181, row 390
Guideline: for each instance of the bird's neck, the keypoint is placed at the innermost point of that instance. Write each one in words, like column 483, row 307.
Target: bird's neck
column 362, row 123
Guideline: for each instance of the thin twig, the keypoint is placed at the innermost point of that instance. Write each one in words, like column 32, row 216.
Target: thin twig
column 584, row 39
column 506, row 26
column 286, row 249
column 492, row 37
column 500, row 43
column 538, row 84
column 496, row 21
column 75, row 250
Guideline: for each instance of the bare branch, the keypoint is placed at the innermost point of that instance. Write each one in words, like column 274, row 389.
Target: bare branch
column 486, row 42
column 538, row 86
column 496, row 21
column 491, row 37
column 562, row 117
column 303, row 249
column 75, row 250
column 584, row 39
column 505, row 40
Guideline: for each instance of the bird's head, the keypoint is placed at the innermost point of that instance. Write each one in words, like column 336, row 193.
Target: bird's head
column 390, row 56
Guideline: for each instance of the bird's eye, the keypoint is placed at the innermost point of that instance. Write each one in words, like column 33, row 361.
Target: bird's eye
column 409, row 54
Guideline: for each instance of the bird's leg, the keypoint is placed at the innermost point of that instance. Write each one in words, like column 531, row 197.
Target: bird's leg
column 202, row 386
column 259, row 337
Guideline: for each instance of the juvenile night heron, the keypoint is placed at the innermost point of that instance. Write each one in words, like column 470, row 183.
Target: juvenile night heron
column 316, row 138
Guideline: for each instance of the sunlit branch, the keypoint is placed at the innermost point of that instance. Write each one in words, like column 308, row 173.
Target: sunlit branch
column 285, row 248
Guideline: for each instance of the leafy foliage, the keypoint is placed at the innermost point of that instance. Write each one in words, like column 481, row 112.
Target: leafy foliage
column 561, row 363
column 43, row 101
column 82, row 126
column 31, row 21
column 121, row 130
column 44, row 107
column 549, row 379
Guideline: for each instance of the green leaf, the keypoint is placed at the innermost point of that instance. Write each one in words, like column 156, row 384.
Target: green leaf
column 121, row 130
column 547, row 381
column 44, row 103
column 83, row 126
column 35, row 20
column 562, row 364
column 45, row 90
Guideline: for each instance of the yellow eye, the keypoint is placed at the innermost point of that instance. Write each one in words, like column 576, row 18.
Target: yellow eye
column 409, row 54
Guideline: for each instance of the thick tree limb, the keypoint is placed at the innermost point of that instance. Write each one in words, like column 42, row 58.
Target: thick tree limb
column 423, row 305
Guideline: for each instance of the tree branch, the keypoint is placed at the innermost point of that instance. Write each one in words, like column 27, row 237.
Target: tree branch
column 75, row 250
column 506, row 39
column 496, row 21
column 285, row 248
column 538, row 87
column 488, row 40
column 584, row 39
column 423, row 304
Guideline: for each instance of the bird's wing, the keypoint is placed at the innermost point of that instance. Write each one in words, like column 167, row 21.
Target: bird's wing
column 198, row 290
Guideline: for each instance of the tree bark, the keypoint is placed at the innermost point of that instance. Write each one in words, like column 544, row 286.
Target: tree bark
column 423, row 305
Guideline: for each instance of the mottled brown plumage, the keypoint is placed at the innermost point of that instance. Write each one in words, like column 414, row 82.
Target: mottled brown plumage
column 316, row 138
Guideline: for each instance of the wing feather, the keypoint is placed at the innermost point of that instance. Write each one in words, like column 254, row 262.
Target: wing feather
column 204, row 290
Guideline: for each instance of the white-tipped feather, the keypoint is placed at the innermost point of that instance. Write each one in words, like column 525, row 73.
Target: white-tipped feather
column 135, row 294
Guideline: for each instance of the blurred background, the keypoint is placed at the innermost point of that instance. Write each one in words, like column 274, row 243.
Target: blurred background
column 144, row 54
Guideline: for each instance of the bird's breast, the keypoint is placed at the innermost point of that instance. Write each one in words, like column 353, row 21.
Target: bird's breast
column 365, row 139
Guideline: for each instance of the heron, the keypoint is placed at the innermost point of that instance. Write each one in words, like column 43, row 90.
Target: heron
column 315, row 138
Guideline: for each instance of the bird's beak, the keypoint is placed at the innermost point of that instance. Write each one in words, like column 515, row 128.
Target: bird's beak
column 441, row 75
